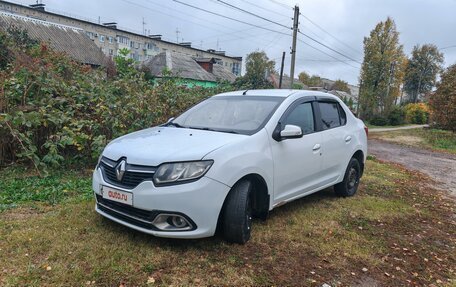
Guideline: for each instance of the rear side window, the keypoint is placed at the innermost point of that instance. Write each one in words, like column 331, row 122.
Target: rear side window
column 332, row 115
column 302, row 116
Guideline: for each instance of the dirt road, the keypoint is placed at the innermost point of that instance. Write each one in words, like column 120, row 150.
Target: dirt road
column 378, row 130
column 439, row 166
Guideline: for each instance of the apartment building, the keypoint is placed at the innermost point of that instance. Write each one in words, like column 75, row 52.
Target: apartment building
column 111, row 39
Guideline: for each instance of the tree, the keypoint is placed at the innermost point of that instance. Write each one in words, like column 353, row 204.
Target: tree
column 303, row 77
column 382, row 70
column 443, row 102
column 340, row 85
column 421, row 71
column 314, row 81
column 258, row 67
column 311, row 81
column 125, row 65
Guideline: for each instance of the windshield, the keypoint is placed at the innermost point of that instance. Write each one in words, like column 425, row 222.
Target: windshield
column 235, row 114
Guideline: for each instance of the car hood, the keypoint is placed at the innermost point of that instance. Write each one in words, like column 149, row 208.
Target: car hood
column 167, row 144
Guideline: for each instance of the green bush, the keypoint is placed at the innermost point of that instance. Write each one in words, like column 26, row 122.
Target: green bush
column 379, row 121
column 416, row 113
column 55, row 111
column 396, row 116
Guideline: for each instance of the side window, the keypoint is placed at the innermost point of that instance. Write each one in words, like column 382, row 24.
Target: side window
column 302, row 116
column 329, row 115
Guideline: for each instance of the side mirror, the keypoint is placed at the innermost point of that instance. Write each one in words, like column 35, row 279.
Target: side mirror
column 291, row 132
column 288, row 132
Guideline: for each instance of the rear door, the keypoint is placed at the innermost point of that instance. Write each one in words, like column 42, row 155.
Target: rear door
column 336, row 139
column 297, row 162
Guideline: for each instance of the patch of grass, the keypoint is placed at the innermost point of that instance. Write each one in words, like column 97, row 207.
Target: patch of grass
column 434, row 139
column 317, row 239
column 18, row 186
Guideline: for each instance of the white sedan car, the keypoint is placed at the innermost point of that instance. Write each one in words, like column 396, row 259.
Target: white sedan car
column 231, row 157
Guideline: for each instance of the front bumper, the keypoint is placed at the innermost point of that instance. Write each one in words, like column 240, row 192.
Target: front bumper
column 200, row 201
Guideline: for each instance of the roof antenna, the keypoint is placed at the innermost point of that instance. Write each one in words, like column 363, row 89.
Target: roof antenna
column 245, row 92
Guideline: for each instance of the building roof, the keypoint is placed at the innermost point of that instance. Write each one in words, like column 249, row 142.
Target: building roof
column 223, row 74
column 70, row 40
column 286, row 81
column 121, row 30
column 186, row 67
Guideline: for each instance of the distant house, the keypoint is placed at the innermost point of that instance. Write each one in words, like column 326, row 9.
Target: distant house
column 70, row 40
column 286, row 82
column 204, row 72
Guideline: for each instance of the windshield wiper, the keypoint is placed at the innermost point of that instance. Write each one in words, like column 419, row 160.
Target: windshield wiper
column 213, row 130
column 173, row 124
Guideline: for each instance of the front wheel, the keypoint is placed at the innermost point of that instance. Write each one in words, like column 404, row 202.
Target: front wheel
column 237, row 213
column 349, row 185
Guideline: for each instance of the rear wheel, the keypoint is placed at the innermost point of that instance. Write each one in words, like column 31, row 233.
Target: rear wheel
column 349, row 185
column 237, row 213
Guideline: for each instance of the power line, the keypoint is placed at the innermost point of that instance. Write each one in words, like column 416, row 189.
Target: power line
column 226, row 17
column 183, row 19
column 329, row 55
column 252, row 14
column 281, row 4
column 334, row 37
column 161, row 12
column 205, row 20
column 266, row 9
column 448, row 47
column 329, row 48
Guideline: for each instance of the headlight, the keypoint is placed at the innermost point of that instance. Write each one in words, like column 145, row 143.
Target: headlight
column 169, row 173
column 99, row 159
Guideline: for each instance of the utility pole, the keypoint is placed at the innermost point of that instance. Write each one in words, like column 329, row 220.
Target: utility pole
column 144, row 26
column 177, row 35
column 281, row 70
column 293, row 48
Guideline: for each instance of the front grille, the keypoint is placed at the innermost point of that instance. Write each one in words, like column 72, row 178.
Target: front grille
column 134, row 174
column 139, row 217
column 127, row 209
column 127, row 213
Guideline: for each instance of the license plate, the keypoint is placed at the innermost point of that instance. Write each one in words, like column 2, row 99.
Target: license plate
column 117, row 195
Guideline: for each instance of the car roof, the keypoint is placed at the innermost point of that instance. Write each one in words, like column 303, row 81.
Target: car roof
column 276, row 93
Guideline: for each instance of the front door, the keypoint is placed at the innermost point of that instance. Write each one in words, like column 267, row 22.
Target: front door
column 297, row 162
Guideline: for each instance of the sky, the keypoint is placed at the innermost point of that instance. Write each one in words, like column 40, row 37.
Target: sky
column 338, row 24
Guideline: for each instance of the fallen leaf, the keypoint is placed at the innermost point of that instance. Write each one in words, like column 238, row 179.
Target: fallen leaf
column 150, row 280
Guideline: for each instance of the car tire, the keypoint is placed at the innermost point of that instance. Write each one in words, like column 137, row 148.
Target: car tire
column 349, row 185
column 237, row 213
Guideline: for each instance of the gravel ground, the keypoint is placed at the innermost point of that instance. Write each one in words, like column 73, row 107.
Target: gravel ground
column 439, row 166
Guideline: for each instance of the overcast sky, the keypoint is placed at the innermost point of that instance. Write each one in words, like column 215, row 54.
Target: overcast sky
column 348, row 21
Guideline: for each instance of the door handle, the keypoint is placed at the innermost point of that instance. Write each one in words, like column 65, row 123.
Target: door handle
column 316, row 147
column 348, row 139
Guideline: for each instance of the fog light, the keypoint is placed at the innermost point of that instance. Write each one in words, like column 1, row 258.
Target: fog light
column 178, row 222
column 172, row 222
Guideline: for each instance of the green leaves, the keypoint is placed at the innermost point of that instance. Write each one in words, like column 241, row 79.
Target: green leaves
column 57, row 111
column 382, row 71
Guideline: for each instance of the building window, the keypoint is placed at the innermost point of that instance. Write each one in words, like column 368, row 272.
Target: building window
column 111, row 52
column 91, row 35
column 110, row 39
column 123, row 40
column 102, row 38
column 132, row 44
column 236, row 69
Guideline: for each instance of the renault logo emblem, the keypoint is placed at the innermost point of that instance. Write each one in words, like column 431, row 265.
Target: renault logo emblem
column 120, row 170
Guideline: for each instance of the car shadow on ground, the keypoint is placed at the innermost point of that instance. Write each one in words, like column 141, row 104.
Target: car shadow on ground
column 209, row 243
